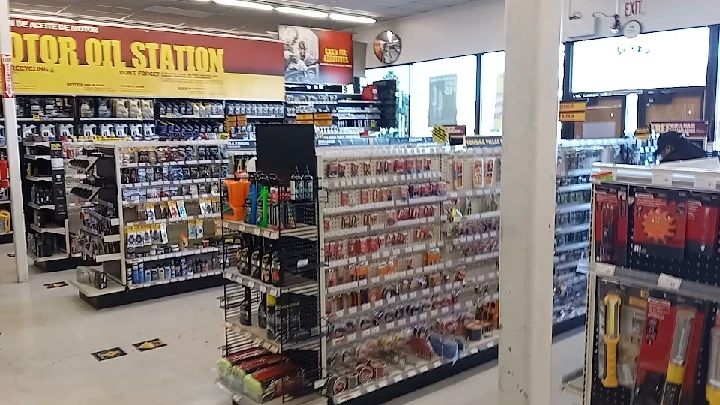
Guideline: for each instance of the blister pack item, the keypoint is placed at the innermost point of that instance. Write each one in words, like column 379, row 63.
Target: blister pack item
column 182, row 212
column 172, row 205
column 192, row 234
column 150, row 212
column 163, row 233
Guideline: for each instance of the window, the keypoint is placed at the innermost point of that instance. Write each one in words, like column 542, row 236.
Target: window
column 443, row 93
column 491, row 91
column 492, row 73
column 649, row 61
column 402, row 75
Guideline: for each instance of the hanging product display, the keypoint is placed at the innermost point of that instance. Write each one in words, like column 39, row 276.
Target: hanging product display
column 410, row 241
column 653, row 287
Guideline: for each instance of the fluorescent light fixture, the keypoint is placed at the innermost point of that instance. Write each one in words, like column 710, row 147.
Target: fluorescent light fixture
column 352, row 18
column 244, row 4
column 302, row 12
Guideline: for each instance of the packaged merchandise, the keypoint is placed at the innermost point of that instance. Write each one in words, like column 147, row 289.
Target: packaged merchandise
column 660, row 218
column 611, row 224
column 703, row 213
column 273, row 382
column 621, row 320
column 669, row 350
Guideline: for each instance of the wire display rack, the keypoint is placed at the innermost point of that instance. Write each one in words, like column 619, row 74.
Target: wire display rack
column 271, row 300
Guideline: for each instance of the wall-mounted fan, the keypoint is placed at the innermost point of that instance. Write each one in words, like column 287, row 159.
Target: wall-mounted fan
column 387, row 47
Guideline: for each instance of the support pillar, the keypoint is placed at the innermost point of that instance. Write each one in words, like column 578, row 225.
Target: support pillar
column 527, row 211
column 13, row 147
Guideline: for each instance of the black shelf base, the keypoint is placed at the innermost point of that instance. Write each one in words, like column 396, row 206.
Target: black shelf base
column 60, row 265
column 150, row 293
column 569, row 324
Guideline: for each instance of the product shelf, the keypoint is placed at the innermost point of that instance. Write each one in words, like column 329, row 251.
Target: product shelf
column 56, row 256
column 380, row 181
column 301, row 231
column 416, row 368
column 176, row 279
column 294, row 284
column 182, row 253
column 41, row 207
column 566, row 208
column 49, row 228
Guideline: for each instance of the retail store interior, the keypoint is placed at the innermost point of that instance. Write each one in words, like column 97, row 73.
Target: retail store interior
column 329, row 202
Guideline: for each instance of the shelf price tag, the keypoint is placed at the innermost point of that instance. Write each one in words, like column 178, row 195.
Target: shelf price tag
column 661, row 178
column 669, row 282
column 605, row 269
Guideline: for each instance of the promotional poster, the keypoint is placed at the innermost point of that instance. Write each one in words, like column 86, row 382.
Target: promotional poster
column 81, row 59
column 443, row 100
column 316, row 56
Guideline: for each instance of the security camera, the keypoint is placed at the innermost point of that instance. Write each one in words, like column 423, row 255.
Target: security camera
column 616, row 27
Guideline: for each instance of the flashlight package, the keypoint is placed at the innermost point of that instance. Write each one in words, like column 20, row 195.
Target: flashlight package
column 621, row 318
column 668, row 360
column 703, row 213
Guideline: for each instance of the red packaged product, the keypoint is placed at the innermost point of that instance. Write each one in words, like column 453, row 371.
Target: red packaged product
column 611, row 224
column 247, row 354
column 272, row 382
column 660, row 219
column 703, row 213
column 251, row 366
column 668, row 352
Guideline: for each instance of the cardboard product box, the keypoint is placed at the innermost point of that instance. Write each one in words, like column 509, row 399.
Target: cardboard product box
column 703, row 213
column 669, row 351
column 660, row 220
column 611, row 224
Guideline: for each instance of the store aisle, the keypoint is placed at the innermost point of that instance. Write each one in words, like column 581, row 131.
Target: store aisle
column 47, row 337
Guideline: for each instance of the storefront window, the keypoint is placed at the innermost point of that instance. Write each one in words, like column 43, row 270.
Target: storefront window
column 402, row 75
column 492, row 73
column 443, row 93
column 655, row 60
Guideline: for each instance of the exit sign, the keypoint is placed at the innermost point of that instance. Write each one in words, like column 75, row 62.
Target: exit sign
column 634, row 8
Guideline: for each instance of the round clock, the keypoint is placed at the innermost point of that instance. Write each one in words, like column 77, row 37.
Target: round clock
column 387, row 47
column 632, row 29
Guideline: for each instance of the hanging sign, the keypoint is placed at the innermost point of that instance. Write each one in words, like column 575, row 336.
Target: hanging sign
column 457, row 134
column 317, row 56
column 442, row 108
column 440, row 134
column 8, row 85
column 642, row 133
column 478, row 141
column 81, row 59
column 572, row 111
column 683, row 127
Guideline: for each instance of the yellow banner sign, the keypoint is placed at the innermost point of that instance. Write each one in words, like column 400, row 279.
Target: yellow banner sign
column 572, row 117
column 572, row 106
column 82, row 59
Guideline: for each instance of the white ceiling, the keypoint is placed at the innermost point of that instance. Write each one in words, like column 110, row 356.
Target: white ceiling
column 196, row 14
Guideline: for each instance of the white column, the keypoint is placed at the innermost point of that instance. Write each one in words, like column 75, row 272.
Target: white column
column 13, row 152
column 527, row 210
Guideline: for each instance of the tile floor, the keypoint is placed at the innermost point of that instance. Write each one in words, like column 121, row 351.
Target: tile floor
column 47, row 337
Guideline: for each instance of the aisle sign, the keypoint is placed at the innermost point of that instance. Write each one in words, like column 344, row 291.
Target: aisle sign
column 82, row 59
column 572, row 111
column 7, row 74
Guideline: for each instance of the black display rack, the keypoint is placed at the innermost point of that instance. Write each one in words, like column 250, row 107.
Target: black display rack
column 684, row 278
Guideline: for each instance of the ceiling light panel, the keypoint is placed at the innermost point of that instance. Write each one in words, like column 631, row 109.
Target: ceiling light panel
column 352, row 18
column 302, row 12
column 244, row 4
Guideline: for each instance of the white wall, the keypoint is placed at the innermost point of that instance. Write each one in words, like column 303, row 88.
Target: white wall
column 660, row 15
column 479, row 26
column 453, row 31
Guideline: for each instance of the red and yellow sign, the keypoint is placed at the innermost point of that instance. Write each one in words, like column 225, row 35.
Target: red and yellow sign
column 80, row 59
